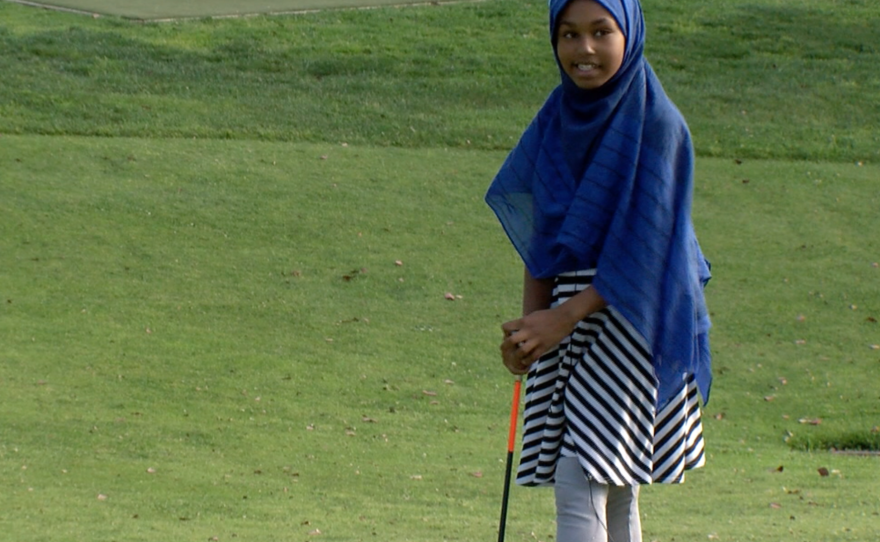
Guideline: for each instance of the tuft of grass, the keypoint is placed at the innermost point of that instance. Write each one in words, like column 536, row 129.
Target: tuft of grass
column 867, row 440
column 770, row 80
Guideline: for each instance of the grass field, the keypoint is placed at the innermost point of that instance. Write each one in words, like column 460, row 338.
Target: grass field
column 767, row 81
column 223, row 276
column 167, row 9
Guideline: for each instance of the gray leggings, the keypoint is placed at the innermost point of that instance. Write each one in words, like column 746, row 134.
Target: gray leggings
column 587, row 511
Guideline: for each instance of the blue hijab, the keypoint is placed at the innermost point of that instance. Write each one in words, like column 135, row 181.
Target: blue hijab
column 602, row 179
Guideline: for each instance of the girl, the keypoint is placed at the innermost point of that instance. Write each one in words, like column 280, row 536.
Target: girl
column 596, row 199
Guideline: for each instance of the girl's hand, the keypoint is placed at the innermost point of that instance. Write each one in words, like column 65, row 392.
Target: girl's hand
column 530, row 337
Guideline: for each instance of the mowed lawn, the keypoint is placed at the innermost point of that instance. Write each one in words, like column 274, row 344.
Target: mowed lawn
column 217, row 325
column 211, row 337
column 167, row 9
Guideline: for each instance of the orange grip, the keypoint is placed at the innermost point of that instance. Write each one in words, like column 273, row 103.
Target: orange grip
column 514, row 410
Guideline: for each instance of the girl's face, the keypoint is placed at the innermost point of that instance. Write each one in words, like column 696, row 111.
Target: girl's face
column 589, row 44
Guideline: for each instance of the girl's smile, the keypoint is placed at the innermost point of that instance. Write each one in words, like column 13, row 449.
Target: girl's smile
column 589, row 44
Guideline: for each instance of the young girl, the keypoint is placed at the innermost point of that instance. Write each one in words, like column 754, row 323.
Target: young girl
column 596, row 198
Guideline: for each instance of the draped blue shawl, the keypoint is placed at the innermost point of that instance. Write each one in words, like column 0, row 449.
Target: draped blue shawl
column 602, row 179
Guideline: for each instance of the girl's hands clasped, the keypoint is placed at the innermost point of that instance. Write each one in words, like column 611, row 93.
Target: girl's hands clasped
column 530, row 337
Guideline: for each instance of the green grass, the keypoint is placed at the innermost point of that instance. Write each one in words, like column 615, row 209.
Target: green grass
column 203, row 319
column 168, row 9
column 182, row 306
column 764, row 80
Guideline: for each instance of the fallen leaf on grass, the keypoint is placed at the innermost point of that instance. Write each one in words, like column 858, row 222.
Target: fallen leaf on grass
column 875, row 347
column 450, row 296
column 398, row 263
column 449, row 382
column 102, row 497
column 151, row 470
column 775, row 505
column 415, row 477
column 769, row 398
column 823, row 471
column 800, row 341
column 353, row 274
column 810, row 421
column 477, row 474
column 316, row 532
column 429, row 393
column 367, row 419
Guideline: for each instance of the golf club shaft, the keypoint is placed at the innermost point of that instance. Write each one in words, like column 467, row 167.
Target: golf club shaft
column 511, row 442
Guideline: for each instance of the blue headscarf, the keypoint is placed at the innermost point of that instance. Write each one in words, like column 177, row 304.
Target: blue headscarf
column 602, row 179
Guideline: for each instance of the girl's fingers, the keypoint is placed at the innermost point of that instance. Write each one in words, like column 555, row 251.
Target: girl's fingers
column 511, row 327
column 519, row 348
column 514, row 358
column 514, row 365
column 524, row 349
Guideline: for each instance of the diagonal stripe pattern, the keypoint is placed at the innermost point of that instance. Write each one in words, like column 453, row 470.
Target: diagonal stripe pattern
column 594, row 397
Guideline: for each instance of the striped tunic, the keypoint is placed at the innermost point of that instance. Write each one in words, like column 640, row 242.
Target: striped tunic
column 594, row 397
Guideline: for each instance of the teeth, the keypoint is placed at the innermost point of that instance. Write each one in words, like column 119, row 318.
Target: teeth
column 586, row 66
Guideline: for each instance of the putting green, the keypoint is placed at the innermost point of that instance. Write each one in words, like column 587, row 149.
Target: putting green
column 170, row 9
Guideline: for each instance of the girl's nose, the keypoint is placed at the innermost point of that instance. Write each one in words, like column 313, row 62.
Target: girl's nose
column 587, row 45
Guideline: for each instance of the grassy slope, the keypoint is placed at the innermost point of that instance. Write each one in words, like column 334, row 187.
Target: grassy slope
column 168, row 304
column 174, row 304
column 770, row 80
column 183, row 303
column 168, row 9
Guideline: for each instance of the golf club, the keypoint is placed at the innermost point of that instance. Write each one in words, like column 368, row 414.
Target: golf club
column 511, row 440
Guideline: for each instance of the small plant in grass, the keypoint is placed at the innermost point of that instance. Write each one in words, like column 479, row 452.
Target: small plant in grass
column 853, row 441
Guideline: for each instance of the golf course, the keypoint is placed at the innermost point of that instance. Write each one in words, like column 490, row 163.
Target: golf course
column 250, row 290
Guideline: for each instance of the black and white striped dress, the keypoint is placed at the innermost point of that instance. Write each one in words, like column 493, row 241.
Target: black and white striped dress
column 595, row 396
